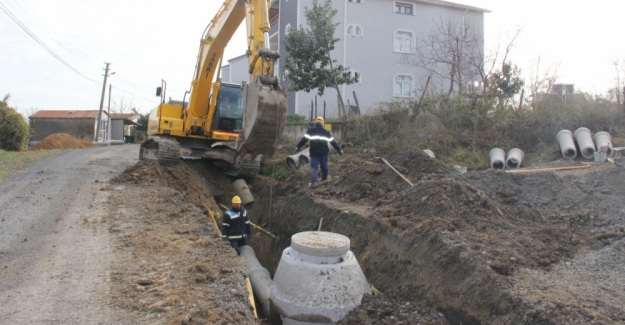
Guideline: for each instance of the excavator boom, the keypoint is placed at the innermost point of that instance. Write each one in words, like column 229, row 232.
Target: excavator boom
column 220, row 123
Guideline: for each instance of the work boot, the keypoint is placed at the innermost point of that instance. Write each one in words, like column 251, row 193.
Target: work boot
column 312, row 185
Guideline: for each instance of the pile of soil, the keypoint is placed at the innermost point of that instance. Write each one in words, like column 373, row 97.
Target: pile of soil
column 480, row 248
column 175, row 269
column 60, row 141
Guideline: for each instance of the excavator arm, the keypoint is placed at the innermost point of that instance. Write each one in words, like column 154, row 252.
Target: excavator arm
column 234, row 136
column 264, row 101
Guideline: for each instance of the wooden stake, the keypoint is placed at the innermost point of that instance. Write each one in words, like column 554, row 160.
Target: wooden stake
column 320, row 223
column 395, row 170
column 539, row 170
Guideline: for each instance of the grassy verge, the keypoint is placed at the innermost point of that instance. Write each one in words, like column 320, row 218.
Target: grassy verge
column 13, row 162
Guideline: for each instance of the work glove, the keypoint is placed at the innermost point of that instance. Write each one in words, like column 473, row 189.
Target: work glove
column 249, row 236
column 296, row 149
column 341, row 153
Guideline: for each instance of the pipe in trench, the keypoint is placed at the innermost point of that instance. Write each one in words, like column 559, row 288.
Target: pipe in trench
column 260, row 278
column 243, row 191
column 584, row 142
column 497, row 159
column 515, row 158
column 567, row 145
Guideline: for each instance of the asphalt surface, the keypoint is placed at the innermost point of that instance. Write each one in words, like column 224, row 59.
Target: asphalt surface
column 55, row 251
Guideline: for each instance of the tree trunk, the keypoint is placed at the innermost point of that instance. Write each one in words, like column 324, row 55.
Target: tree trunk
column 336, row 86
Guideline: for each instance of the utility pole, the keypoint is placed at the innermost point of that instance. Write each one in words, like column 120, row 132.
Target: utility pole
column 108, row 131
column 96, row 138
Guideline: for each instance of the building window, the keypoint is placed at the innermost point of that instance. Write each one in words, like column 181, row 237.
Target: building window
column 287, row 29
column 402, row 86
column 403, row 8
column 357, row 76
column 355, row 1
column 285, row 75
column 403, row 42
column 354, row 30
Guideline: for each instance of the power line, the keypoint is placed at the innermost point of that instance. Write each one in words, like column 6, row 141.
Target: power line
column 46, row 29
column 133, row 85
column 41, row 43
column 131, row 94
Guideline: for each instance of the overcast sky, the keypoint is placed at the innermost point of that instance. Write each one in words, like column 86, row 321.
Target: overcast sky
column 146, row 41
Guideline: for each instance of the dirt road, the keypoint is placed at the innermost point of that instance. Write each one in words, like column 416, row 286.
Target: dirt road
column 55, row 254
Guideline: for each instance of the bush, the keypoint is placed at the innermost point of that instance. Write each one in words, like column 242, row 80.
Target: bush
column 14, row 130
column 463, row 130
column 294, row 118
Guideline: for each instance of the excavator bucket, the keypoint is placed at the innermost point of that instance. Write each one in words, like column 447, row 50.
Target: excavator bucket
column 263, row 118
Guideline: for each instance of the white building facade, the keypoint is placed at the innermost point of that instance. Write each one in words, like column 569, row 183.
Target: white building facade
column 375, row 35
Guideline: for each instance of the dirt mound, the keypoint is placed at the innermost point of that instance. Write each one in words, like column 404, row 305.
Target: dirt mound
column 478, row 254
column 60, row 141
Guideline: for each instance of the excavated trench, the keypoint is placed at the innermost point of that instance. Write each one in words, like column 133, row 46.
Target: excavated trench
column 479, row 248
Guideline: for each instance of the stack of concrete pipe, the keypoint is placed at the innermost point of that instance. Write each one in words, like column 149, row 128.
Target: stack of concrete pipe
column 566, row 139
column 299, row 159
column 498, row 160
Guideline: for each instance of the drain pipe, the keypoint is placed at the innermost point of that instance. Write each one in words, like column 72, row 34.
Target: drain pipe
column 304, row 158
column 294, row 161
column 515, row 157
column 603, row 139
column 243, row 191
column 567, row 145
column 429, row 153
column 584, row 142
column 497, row 159
column 260, row 278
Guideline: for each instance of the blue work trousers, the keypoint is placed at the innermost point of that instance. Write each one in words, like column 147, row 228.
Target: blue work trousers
column 314, row 167
column 236, row 243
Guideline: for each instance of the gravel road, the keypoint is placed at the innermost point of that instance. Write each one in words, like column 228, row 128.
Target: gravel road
column 55, row 250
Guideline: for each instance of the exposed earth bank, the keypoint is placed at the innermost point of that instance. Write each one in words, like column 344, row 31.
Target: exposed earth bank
column 479, row 248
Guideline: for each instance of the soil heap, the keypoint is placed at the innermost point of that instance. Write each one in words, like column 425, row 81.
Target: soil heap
column 60, row 141
column 448, row 252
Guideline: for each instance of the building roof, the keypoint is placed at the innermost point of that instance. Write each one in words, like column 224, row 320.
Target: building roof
column 452, row 4
column 65, row 114
column 81, row 114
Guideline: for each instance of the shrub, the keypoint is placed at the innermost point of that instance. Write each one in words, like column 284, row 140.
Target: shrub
column 294, row 118
column 14, row 130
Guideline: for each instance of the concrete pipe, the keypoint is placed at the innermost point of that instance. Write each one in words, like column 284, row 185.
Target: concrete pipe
column 429, row 153
column 294, row 161
column 584, row 142
column 304, row 158
column 515, row 158
column 497, row 159
column 318, row 280
column 603, row 139
column 567, row 145
column 260, row 278
column 240, row 187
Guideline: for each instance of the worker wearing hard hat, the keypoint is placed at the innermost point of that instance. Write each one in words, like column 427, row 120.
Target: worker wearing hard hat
column 236, row 225
column 319, row 138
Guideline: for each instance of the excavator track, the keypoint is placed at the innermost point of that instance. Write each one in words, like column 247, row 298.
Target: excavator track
column 246, row 167
column 162, row 149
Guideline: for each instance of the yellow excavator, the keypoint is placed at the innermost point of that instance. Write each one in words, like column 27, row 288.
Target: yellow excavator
column 231, row 124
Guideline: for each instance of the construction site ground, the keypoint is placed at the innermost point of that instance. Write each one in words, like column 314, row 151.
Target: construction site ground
column 94, row 236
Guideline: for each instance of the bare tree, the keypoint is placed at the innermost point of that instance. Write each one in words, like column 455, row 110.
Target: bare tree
column 454, row 51
column 541, row 79
column 449, row 51
column 619, row 81
column 122, row 105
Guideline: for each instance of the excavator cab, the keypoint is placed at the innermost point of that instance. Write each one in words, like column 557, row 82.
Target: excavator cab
column 229, row 112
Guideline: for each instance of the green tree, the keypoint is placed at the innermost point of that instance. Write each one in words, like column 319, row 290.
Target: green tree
column 505, row 83
column 142, row 123
column 308, row 61
column 14, row 130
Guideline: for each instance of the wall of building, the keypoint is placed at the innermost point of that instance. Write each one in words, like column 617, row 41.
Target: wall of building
column 81, row 129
